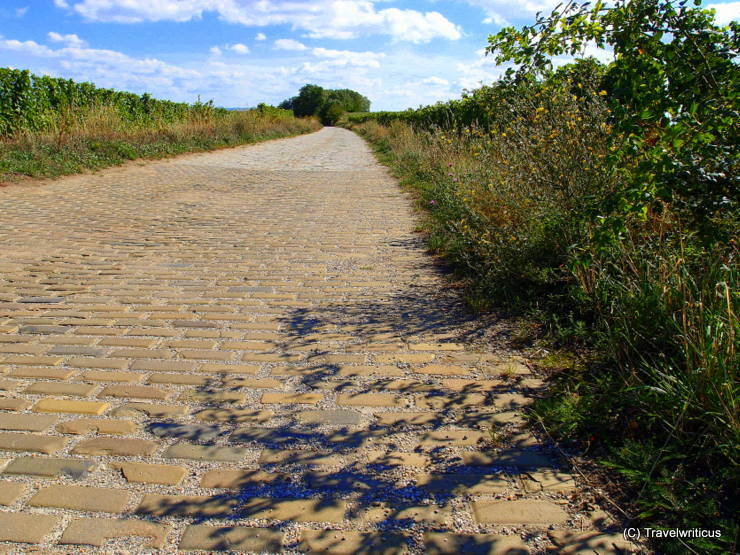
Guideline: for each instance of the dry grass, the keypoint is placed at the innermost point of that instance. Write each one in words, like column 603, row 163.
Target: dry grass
column 99, row 137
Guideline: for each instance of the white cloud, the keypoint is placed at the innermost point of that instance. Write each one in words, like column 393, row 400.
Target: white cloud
column 215, row 51
column 260, row 36
column 342, row 58
column 504, row 12
column 61, row 4
column 289, row 44
column 20, row 12
column 338, row 19
column 72, row 41
column 239, row 48
column 725, row 13
column 435, row 81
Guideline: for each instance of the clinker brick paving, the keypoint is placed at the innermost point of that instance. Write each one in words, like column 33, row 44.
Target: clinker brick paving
column 251, row 350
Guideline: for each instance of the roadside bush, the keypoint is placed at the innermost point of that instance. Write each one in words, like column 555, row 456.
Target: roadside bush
column 602, row 201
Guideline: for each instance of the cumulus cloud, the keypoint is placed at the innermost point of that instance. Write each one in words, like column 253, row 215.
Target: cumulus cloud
column 107, row 68
column 505, row 12
column 72, row 41
column 260, row 36
column 348, row 58
column 289, row 44
column 337, row 19
column 725, row 13
column 239, row 48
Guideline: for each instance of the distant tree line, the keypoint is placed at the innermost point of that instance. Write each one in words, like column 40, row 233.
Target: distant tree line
column 327, row 104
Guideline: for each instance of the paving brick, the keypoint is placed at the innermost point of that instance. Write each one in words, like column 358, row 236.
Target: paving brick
column 295, row 510
column 115, row 446
column 177, row 379
column 14, row 404
column 190, row 432
column 469, row 386
column 104, row 376
column 292, row 398
column 135, row 392
column 522, row 511
column 367, row 371
column 26, row 422
column 234, row 415
column 164, row 365
column 406, row 418
column 330, row 417
column 302, row 457
column 34, row 443
column 43, row 330
column 186, row 505
column 33, row 360
column 143, row 353
column 369, row 400
column 26, row 527
column 96, row 531
column 140, row 342
column 212, row 397
column 548, row 480
column 438, row 438
column 50, row 467
column 409, row 358
column 396, row 458
column 450, row 401
column 231, row 538
column 67, row 350
column 509, row 457
column 431, row 514
column 442, row 370
column 81, row 498
column 205, row 453
column 53, row 388
column 230, row 368
column 235, row 479
column 202, row 354
column 19, row 348
column 94, row 425
column 102, row 363
column 257, row 383
column 436, row 347
column 151, row 473
column 150, row 409
column 464, row 483
column 64, row 405
column 569, row 542
column 41, row 372
column 349, row 542
column 445, row 543
column 10, row 491
column 10, row 385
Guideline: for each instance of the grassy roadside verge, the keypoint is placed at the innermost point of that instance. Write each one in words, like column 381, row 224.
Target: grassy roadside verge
column 100, row 138
column 643, row 363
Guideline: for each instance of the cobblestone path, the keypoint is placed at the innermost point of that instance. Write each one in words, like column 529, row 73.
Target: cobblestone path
column 250, row 350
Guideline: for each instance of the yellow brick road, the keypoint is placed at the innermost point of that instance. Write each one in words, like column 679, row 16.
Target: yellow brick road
column 250, row 350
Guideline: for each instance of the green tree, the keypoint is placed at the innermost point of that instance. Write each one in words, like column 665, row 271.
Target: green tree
column 328, row 104
column 674, row 93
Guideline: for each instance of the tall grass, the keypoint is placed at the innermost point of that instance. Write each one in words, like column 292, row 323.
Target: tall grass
column 98, row 137
column 655, row 313
column 51, row 127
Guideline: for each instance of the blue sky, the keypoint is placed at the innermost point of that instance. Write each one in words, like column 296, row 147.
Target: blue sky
column 399, row 54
